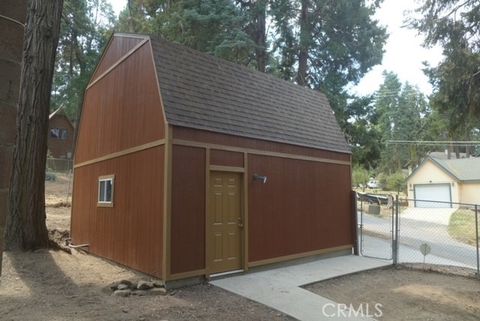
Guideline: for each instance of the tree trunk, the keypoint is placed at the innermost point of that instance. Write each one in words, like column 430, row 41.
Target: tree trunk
column 260, row 35
column 11, row 33
column 25, row 226
column 304, row 42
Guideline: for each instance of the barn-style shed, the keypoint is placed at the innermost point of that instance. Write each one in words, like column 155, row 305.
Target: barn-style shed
column 187, row 165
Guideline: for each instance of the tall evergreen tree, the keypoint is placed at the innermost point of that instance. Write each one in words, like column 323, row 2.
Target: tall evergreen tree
column 25, row 227
column 85, row 28
column 455, row 25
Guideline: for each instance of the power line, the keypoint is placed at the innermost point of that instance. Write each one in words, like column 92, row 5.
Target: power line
column 434, row 142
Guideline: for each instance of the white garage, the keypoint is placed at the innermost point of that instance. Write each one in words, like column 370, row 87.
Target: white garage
column 453, row 181
column 433, row 192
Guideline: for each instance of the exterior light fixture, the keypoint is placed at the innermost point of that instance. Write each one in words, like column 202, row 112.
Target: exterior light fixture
column 260, row 178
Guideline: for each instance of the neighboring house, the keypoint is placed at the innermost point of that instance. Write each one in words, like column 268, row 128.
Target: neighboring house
column 60, row 135
column 445, row 180
column 187, row 165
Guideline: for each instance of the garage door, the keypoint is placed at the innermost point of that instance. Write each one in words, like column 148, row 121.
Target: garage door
column 432, row 192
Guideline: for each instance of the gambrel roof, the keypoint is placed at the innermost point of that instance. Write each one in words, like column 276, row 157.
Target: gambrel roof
column 204, row 92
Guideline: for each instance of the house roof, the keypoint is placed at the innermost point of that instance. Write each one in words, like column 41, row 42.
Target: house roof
column 444, row 155
column 204, row 92
column 462, row 170
column 56, row 111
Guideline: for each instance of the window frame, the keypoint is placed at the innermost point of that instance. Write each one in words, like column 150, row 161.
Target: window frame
column 106, row 178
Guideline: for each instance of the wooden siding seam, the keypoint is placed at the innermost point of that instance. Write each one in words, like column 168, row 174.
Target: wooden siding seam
column 300, row 255
column 258, row 152
column 124, row 152
column 122, row 59
column 220, row 168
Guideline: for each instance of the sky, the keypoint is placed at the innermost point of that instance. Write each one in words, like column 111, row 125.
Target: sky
column 403, row 55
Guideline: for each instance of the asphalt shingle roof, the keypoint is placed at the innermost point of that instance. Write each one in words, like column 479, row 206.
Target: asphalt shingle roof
column 464, row 169
column 204, row 92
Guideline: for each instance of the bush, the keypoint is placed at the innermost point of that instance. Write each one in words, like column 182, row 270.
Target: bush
column 360, row 176
column 393, row 182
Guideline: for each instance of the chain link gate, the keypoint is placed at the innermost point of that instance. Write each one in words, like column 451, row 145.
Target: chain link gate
column 376, row 221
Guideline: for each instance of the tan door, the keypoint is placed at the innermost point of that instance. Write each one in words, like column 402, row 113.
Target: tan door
column 224, row 250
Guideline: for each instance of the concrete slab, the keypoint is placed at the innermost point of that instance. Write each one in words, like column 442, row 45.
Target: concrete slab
column 430, row 215
column 280, row 288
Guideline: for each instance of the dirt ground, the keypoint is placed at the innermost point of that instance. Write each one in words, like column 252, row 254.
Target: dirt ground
column 407, row 294
column 54, row 285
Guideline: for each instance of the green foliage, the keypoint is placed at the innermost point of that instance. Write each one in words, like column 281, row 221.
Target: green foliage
column 393, row 182
column 454, row 24
column 360, row 176
column 85, row 28
column 403, row 114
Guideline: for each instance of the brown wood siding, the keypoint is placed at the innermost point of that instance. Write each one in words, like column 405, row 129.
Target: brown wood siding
column 59, row 148
column 226, row 158
column 304, row 206
column 122, row 110
column 117, row 48
column 188, row 209
column 130, row 232
column 230, row 140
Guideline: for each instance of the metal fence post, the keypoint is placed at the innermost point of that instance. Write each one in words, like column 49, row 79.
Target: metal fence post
column 396, row 229
column 476, row 235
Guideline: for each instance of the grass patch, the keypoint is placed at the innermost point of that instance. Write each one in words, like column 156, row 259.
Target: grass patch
column 462, row 226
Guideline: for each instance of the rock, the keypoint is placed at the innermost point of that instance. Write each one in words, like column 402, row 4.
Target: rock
column 140, row 292
column 114, row 286
column 122, row 293
column 144, row 285
column 157, row 291
column 157, row 283
column 123, row 286
column 129, row 283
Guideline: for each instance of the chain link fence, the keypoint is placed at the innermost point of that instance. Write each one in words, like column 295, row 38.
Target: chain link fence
column 62, row 165
column 419, row 231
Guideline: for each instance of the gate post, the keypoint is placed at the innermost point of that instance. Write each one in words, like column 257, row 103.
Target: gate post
column 355, row 224
column 476, row 243
column 396, row 230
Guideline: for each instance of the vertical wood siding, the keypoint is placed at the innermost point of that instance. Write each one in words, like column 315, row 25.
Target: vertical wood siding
column 226, row 158
column 188, row 209
column 122, row 110
column 237, row 141
column 117, row 48
column 130, row 232
column 304, row 206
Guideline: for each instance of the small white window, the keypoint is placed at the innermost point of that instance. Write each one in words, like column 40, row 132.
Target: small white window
column 105, row 190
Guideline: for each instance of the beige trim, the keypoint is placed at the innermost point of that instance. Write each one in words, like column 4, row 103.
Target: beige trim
column 167, row 203
column 122, row 153
column 245, row 212
column 299, row 255
column 258, row 152
column 130, row 35
column 103, row 178
column 207, row 204
column 233, row 169
column 185, row 275
column 122, row 59
column 158, row 86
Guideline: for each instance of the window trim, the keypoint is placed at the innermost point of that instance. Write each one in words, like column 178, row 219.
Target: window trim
column 105, row 178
